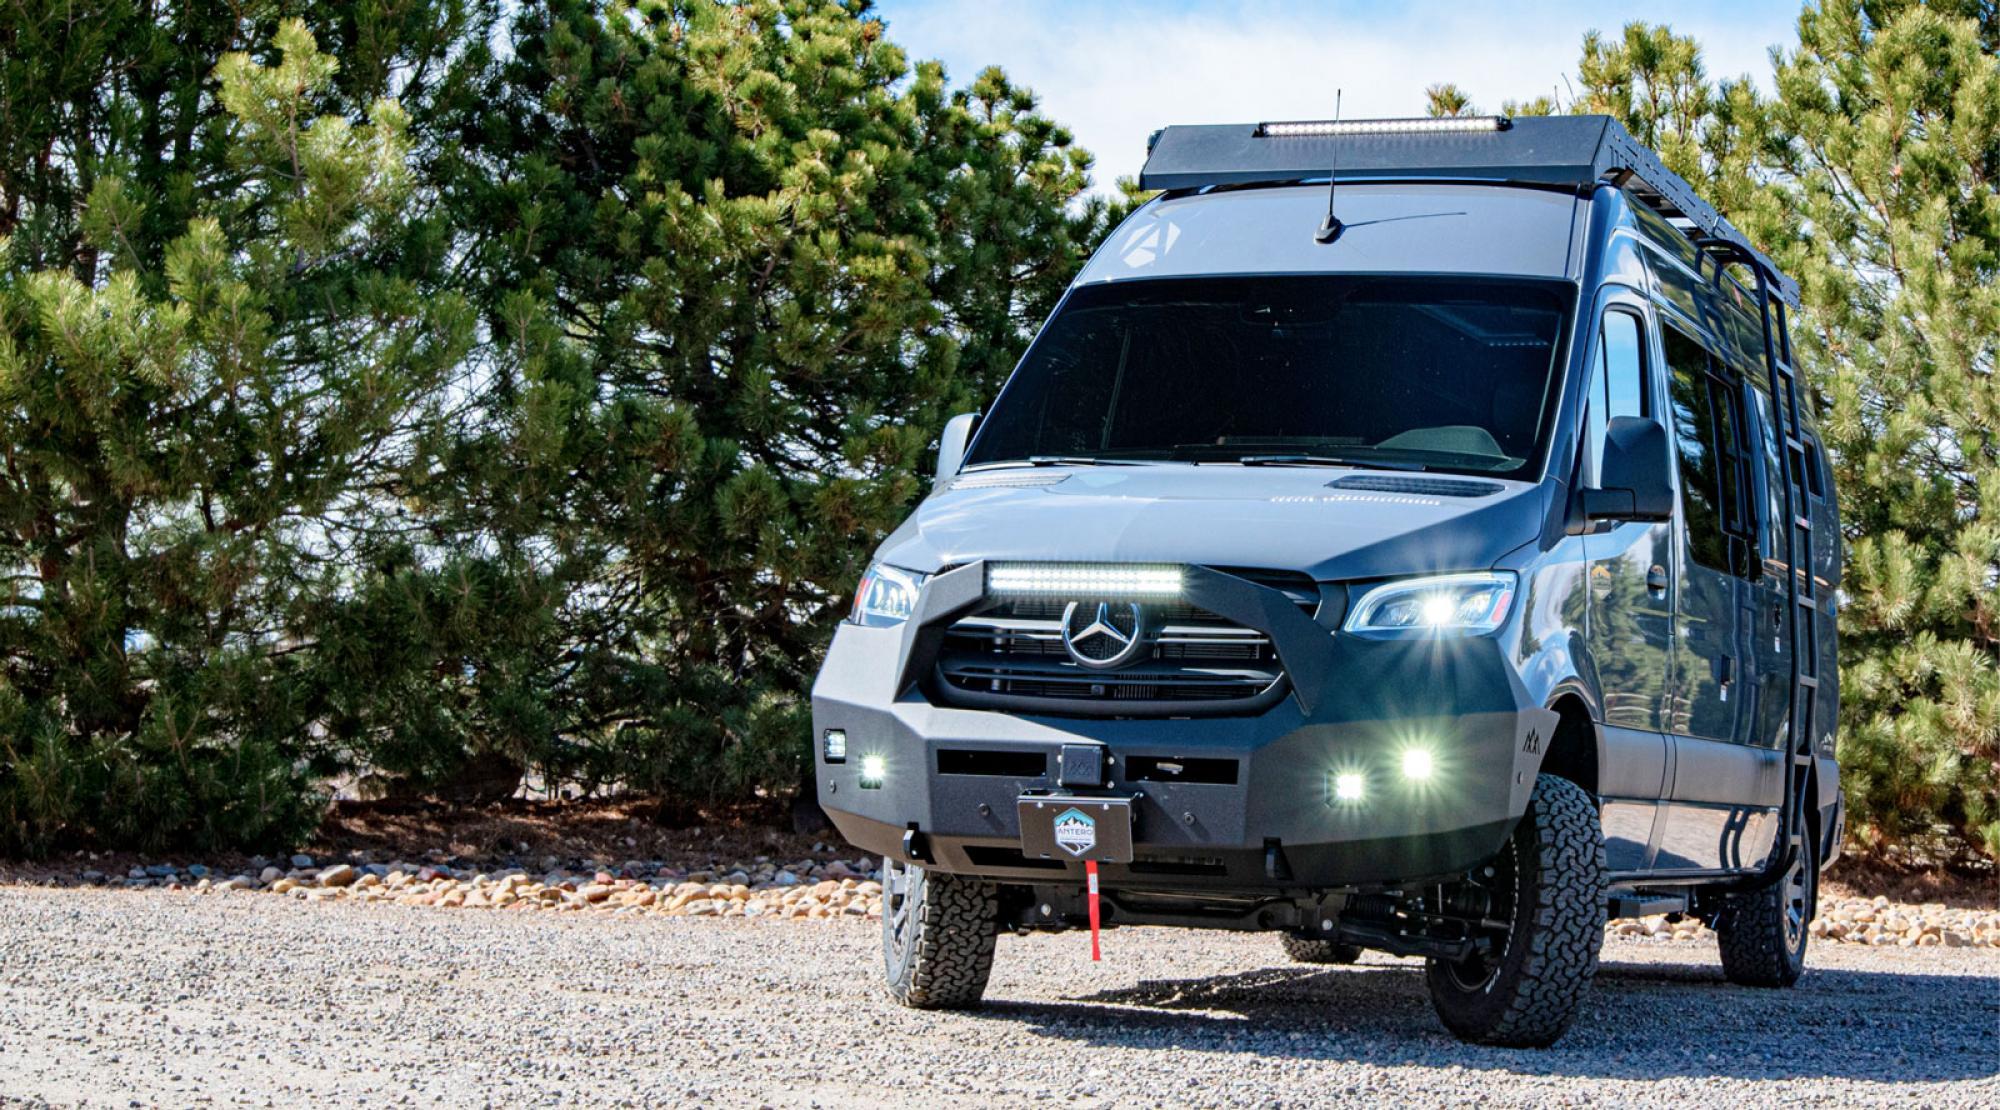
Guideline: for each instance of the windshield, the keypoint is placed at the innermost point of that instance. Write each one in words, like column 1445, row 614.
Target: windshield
column 1421, row 374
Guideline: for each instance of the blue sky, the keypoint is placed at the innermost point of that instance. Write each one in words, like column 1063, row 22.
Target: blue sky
column 1114, row 70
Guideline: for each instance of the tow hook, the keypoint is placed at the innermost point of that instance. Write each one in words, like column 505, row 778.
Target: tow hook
column 916, row 845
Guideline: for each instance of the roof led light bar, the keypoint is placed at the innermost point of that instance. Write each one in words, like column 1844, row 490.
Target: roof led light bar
column 1083, row 580
column 1302, row 129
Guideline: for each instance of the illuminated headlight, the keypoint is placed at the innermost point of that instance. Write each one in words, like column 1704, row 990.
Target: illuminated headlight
column 1091, row 580
column 1451, row 603
column 873, row 770
column 886, row 596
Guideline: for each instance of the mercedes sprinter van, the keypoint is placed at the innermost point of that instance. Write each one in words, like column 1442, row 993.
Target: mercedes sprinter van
column 1404, row 535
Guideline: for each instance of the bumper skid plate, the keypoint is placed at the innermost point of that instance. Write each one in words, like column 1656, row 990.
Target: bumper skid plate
column 1068, row 827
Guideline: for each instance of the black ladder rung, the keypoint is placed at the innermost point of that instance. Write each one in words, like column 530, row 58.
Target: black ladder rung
column 1802, row 523
column 1809, row 681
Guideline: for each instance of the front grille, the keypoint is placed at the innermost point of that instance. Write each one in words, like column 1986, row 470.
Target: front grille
column 1011, row 655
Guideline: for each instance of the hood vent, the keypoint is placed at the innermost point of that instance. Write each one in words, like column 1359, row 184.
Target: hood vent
column 1424, row 487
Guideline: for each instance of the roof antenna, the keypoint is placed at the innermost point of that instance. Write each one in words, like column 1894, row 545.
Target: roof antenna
column 1331, row 229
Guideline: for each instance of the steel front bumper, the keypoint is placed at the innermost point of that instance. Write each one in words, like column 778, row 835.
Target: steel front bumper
column 1219, row 804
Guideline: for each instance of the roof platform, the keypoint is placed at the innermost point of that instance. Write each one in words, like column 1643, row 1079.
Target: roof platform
column 1571, row 152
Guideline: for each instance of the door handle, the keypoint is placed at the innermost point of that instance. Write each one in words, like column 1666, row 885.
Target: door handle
column 1656, row 579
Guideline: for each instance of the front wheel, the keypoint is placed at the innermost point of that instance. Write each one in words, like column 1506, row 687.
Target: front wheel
column 1763, row 933
column 1547, row 887
column 937, row 936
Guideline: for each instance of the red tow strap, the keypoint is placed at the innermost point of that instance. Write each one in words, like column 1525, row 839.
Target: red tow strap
column 1090, row 877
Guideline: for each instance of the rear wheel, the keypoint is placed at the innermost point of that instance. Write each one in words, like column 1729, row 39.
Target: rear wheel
column 937, row 936
column 1309, row 951
column 1546, row 892
column 1763, row 933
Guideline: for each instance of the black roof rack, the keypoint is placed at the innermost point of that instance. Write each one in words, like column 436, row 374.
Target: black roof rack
column 1569, row 151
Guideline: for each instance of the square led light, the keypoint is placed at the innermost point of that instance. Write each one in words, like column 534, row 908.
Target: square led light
column 1084, row 580
column 1349, row 786
column 1417, row 764
column 833, row 744
column 873, row 770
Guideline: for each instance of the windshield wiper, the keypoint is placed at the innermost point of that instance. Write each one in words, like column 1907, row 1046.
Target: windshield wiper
column 1326, row 460
column 1054, row 460
column 1079, row 460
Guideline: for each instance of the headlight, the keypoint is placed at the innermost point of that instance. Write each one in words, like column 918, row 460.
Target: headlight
column 886, row 596
column 1449, row 603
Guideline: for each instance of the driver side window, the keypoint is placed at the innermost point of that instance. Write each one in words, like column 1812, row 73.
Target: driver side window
column 1618, row 381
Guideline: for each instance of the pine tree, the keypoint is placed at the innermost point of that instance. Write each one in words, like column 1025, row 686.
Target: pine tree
column 1871, row 177
column 433, row 414
column 1886, row 137
column 212, row 370
column 1447, row 99
column 739, row 262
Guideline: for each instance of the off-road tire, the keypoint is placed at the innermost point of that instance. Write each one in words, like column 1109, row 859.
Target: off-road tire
column 1527, row 994
column 937, row 936
column 1763, row 933
column 1306, row 950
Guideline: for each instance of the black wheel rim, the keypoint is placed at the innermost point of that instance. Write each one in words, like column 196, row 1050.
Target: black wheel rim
column 1476, row 972
column 1798, row 902
column 899, row 902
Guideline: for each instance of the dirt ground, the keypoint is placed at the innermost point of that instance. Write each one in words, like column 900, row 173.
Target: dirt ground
column 135, row 997
column 522, row 832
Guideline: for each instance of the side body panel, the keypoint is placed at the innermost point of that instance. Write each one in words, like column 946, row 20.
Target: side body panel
column 1714, row 724
column 1728, row 763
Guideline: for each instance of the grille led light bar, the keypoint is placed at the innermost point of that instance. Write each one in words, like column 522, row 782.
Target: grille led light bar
column 1084, row 580
column 1311, row 128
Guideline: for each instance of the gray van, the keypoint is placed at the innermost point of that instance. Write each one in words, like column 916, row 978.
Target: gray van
column 1405, row 535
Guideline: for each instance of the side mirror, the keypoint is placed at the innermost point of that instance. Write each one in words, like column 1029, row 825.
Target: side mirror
column 1634, row 481
column 951, row 445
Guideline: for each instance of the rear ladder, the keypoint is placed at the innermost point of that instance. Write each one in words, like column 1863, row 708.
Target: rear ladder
column 1803, row 608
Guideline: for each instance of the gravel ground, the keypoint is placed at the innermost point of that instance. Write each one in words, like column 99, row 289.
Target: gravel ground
column 170, row 997
column 814, row 887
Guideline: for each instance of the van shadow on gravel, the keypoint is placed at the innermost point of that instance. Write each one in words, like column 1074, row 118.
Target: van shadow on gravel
column 1641, row 1021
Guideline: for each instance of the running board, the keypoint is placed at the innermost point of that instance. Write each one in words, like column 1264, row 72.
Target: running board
column 1631, row 903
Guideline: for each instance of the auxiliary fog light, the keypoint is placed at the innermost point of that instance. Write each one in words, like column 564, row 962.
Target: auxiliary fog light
column 1417, row 764
column 873, row 769
column 1349, row 786
column 833, row 745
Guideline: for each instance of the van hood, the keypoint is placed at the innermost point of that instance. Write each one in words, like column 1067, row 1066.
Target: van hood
column 1329, row 523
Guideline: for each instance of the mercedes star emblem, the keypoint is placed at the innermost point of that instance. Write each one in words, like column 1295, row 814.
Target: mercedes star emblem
column 1103, row 635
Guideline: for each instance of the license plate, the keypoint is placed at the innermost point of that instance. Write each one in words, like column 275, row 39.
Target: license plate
column 1060, row 827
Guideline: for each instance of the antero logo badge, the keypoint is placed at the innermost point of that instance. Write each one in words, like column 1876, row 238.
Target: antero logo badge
column 1076, row 831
